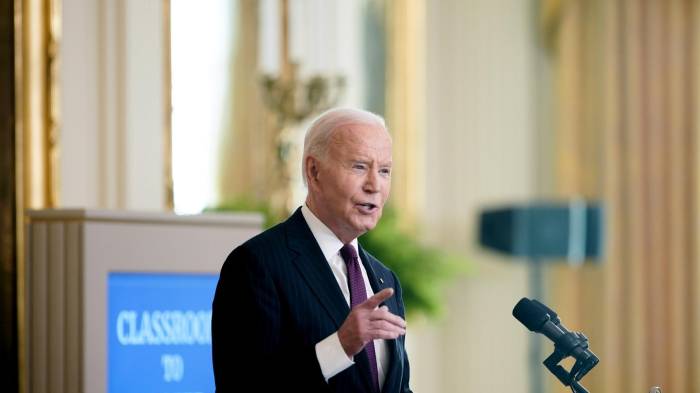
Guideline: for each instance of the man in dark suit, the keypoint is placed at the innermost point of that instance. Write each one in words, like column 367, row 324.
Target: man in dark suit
column 302, row 307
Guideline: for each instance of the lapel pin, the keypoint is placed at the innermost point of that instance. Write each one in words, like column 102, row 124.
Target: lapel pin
column 381, row 280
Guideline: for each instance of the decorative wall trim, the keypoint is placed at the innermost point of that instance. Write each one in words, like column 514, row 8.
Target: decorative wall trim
column 37, row 27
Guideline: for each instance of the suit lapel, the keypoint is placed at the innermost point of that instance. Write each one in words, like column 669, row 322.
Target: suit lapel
column 379, row 281
column 314, row 268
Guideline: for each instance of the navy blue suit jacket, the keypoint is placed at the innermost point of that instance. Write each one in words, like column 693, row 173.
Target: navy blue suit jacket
column 276, row 298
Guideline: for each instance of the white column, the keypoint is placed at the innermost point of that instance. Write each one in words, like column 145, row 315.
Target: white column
column 112, row 114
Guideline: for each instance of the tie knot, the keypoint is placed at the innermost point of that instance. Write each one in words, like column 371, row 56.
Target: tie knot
column 348, row 253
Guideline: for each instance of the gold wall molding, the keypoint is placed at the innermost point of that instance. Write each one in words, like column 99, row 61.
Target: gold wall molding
column 37, row 25
column 38, row 107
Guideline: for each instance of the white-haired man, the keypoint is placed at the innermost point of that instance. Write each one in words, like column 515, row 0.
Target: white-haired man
column 302, row 307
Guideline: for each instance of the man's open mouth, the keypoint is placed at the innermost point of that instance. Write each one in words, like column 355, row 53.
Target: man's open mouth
column 367, row 206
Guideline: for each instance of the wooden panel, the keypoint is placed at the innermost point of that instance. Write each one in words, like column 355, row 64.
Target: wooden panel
column 73, row 332
column 56, row 288
column 37, row 308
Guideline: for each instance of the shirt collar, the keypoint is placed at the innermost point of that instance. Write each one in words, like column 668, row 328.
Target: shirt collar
column 326, row 239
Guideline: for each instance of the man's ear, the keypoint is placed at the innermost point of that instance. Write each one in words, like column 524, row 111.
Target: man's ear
column 311, row 169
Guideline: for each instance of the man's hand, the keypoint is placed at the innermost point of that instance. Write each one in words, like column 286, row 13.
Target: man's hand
column 366, row 322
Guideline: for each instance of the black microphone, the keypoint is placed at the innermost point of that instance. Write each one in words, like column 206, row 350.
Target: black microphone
column 541, row 319
column 552, row 315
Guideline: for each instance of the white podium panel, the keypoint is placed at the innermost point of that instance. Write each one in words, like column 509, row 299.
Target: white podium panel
column 70, row 256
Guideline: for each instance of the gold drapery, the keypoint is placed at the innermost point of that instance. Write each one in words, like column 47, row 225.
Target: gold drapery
column 626, row 132
column 405, row 103
column 247, row 160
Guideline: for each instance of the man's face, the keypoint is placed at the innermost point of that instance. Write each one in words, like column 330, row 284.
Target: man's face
column 352, row 182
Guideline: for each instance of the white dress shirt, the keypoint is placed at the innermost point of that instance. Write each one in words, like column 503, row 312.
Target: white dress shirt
column 330, row 353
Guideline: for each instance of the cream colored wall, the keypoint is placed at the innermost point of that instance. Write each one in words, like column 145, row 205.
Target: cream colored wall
column 481, row 149
column 112, row 104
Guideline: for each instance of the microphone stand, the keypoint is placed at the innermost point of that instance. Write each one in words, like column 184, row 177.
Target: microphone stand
column 580, row 368
column 576, row 387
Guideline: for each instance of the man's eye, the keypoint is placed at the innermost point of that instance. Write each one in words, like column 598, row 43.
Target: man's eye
column 385, row 172
column 358, row 166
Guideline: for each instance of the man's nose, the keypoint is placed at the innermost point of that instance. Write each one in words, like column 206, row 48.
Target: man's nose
column 372, row 182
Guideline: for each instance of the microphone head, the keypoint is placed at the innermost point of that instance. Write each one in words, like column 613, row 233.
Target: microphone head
column 531, row 314
column 552, row 315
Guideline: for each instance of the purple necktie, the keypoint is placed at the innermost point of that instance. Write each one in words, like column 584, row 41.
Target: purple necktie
column 358, row 295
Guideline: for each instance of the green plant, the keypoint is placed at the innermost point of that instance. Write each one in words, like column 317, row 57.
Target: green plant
column 247, row 204
column 424, row 271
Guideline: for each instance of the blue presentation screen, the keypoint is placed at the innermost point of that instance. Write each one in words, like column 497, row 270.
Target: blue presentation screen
column 159, row 328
